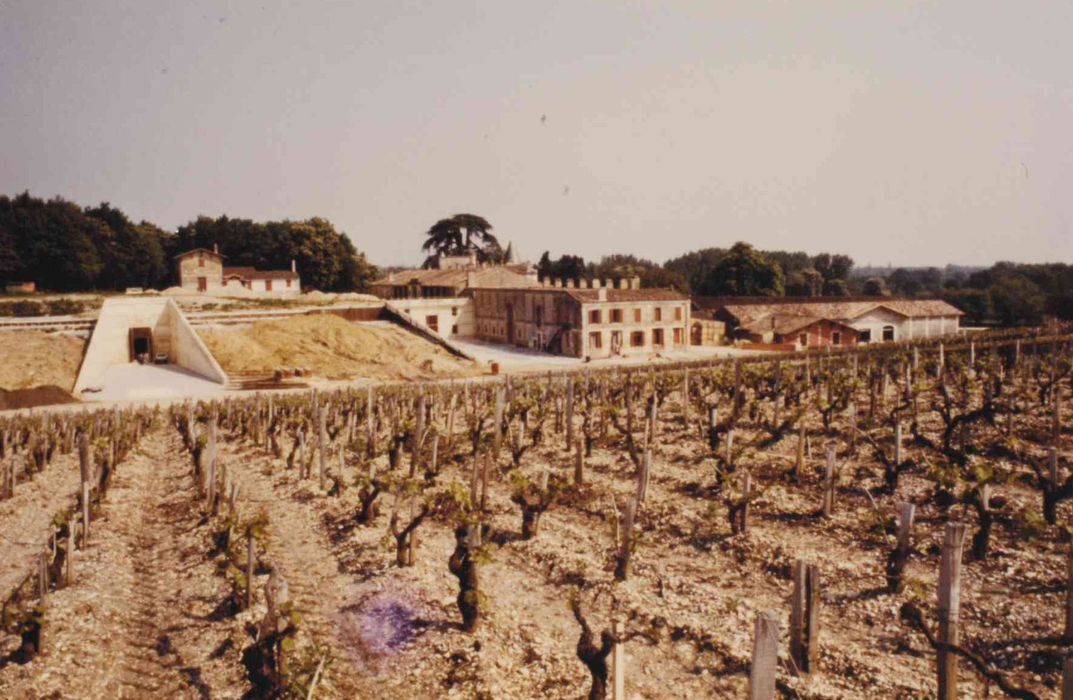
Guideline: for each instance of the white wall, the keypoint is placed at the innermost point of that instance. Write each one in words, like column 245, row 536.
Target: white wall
column 905, row 328
column 450, row 312
column 109, row 343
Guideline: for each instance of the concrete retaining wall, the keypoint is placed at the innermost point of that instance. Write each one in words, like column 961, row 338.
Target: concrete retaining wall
column 109, row 343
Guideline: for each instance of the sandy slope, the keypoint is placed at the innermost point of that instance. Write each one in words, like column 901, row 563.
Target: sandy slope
column 33, row 358
column 333, row 348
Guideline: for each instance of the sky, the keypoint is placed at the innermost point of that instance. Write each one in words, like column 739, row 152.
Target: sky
column 904, row 133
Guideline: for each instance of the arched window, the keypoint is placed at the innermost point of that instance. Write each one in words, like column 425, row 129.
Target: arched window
column 888, row 332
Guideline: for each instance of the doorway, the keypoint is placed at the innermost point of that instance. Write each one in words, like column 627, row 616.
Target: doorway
column 141, row 344
column 202, row 284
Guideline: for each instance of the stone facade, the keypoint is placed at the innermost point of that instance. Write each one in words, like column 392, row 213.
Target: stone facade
column 584, row 322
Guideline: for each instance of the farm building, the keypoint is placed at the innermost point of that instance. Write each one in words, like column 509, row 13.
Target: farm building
column 593, row 320
column 438, row 298
column 203, row 270
column 821, row 322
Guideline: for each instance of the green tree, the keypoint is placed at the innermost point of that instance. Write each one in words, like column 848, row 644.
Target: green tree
column 1018, row 300
column 875, row 287
column 461, row 233
column 745, row 271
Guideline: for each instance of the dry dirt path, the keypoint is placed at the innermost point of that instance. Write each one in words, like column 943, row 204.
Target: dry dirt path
column 27, row 515
column 137, row 621
column 297, row 546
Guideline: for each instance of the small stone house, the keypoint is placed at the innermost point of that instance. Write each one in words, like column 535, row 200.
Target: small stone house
column 202, row 270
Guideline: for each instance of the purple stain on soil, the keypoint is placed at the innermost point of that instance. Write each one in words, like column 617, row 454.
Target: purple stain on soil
column 380, row 625
column 387, row 625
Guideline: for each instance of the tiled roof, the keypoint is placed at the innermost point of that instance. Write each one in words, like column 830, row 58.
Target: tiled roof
column 627, row 295
column 198, row 250
column 785, row 324
column 249, row 273
column 840, row 310
column 458, row 278
column 613, row 295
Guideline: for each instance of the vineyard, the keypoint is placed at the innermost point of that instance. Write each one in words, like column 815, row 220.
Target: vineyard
column 890, row 521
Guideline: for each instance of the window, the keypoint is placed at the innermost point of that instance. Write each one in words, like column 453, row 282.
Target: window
column 865, row 336
column 888, row 333
column 677, row 336
column 268, row 285
column 678, row 313
column 657, row 314
column 433, row 322
column 200, row 261
column 454, row 310
column 802, row 339
column 637, row 315
column 616, row 315
column 596, row 340
column 637, row 339
column 836, row 338
column 594, row 316
column 288, row 283
column 657, row 336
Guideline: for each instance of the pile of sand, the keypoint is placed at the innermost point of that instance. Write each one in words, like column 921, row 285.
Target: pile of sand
column 332, row 348
column 34, row 358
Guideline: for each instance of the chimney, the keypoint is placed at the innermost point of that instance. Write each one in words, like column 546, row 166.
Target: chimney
column 635, row 282
column 601, row 294
column 569, row 282
column 557, row 282
column 216, row 248
column 620, row 283
column 294, row 266
column 471, row 280
column 610, row 284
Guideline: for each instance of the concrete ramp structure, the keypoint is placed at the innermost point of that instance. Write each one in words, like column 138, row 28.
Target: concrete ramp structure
column 129, row 327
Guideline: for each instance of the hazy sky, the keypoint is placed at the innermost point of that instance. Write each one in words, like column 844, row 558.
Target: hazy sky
column 909, row 133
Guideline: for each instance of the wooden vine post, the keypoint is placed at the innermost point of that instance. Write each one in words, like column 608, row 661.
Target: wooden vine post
column 900, row 555
column 949, row 608
column 804, row 617
column 618, row 663
column 1069, row 594
column 569, row 412
column 829, row 483
column 1067, row 679
column 251, row 558
column 579, row 463
column 86, row 467
column 765, row 658
column 211, row 491
column 322, row 448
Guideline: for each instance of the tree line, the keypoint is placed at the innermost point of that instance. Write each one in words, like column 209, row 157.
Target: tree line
column 64, row 247
column 1005, row 294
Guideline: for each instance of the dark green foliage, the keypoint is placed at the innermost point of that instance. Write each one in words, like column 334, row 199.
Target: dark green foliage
column 459, row 234
column 63, row 247
column 326, row 258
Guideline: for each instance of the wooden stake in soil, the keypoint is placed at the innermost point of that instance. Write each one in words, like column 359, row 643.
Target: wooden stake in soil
column 829, row 483
column 1069, row 594
column 322, row 448
column 85, row 514
column 1067, row 679
column 804, row 617
column 765, row 658
column 579, row 463
column 250, row 559
column 897, row 444
column 618, row 663
column 900, row 555
column 949, row 608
